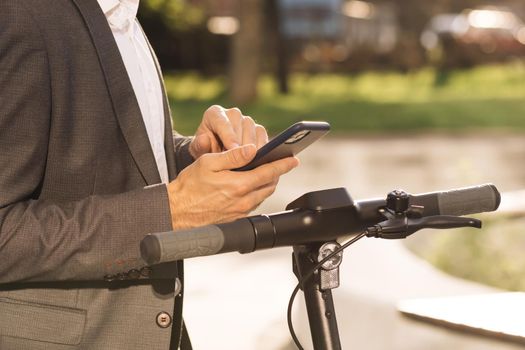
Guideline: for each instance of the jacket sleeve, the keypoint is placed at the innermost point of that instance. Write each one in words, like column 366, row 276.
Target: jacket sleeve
column 42, row 240
column 182, row 151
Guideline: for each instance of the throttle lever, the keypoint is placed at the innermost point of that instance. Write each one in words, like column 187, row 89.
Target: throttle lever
column 402, row 227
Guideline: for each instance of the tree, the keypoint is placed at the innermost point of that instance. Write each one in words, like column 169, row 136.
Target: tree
column 246, row 52
column 277, row 44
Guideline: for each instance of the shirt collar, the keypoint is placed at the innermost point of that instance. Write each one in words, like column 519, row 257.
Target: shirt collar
column 120, row 14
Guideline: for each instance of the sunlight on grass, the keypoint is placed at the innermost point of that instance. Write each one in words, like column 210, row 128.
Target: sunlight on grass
column 482, row 97
column 492, row 256
column 191, row 86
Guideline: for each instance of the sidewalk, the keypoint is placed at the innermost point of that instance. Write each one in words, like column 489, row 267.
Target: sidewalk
column 238, row 301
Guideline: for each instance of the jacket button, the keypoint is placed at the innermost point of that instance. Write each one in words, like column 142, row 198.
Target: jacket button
column 122, row 276
column 109, row 278
column 163, row 320
column 145, row 271
column 134, row 274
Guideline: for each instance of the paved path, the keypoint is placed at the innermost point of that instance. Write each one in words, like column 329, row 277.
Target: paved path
column 239, row 302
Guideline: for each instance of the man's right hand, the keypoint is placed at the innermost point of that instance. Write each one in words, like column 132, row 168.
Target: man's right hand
column 209, row 192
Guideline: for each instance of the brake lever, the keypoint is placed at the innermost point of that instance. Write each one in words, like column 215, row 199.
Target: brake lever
column 397, row 227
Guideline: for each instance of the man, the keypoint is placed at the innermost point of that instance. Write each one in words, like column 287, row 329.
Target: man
column 89, row 166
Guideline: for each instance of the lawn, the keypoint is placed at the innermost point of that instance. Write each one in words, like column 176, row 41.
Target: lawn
column 369, row 102
column 492, row 256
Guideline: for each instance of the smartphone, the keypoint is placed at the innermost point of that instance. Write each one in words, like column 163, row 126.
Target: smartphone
column 288, row 143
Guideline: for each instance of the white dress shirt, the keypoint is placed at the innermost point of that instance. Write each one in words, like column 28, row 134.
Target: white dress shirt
column 142, row 71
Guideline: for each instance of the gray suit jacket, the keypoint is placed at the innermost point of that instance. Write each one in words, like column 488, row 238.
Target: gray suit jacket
column 75, row 201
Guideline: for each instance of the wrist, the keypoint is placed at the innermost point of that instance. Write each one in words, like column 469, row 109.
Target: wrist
column 173, row 188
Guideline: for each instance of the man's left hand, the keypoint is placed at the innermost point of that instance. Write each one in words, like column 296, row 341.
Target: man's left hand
column 223, row 129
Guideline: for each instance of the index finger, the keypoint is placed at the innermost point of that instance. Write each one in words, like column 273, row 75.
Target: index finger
column 219, row 123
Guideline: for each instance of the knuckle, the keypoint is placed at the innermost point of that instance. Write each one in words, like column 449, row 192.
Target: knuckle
column 242, row 188
column 265, row 174
column 235, row 111
column 234, row 157
column 214, row 110
column 275, row 173
column 204, row 159
column 248, row 123
column 234, row 115
column 258, row 178
column 207, row 161
column 246, row 206
column 271, row 190
column 261, row 133
column 228, row 193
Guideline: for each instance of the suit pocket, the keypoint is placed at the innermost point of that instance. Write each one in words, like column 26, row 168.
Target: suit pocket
column 39, row 322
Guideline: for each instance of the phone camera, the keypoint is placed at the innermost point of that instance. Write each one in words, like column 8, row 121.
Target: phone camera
column 297, row 137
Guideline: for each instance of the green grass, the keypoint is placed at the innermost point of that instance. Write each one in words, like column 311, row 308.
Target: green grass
column 492, row 256
column 479, row 98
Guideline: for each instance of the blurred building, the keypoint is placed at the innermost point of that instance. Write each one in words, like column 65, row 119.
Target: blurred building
column 337, row 34
column 346, row 35
column 311, row 19
column 320, row 34
column 368, row 25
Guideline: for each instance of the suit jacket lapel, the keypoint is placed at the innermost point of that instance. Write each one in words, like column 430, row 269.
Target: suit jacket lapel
column 120, row 90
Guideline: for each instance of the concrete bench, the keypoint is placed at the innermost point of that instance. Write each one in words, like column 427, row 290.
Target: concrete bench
column 499, row 316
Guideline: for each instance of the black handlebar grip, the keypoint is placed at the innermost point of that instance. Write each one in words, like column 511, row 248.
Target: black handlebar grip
column 171, row 246
column 162, row 247
column 469, row 200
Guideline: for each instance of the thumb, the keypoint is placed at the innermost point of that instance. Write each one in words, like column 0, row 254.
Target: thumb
column 200, row 145
column 233, row 158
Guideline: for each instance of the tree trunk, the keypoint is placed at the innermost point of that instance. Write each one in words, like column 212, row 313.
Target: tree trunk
column 246, row 52
column 278, row 45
